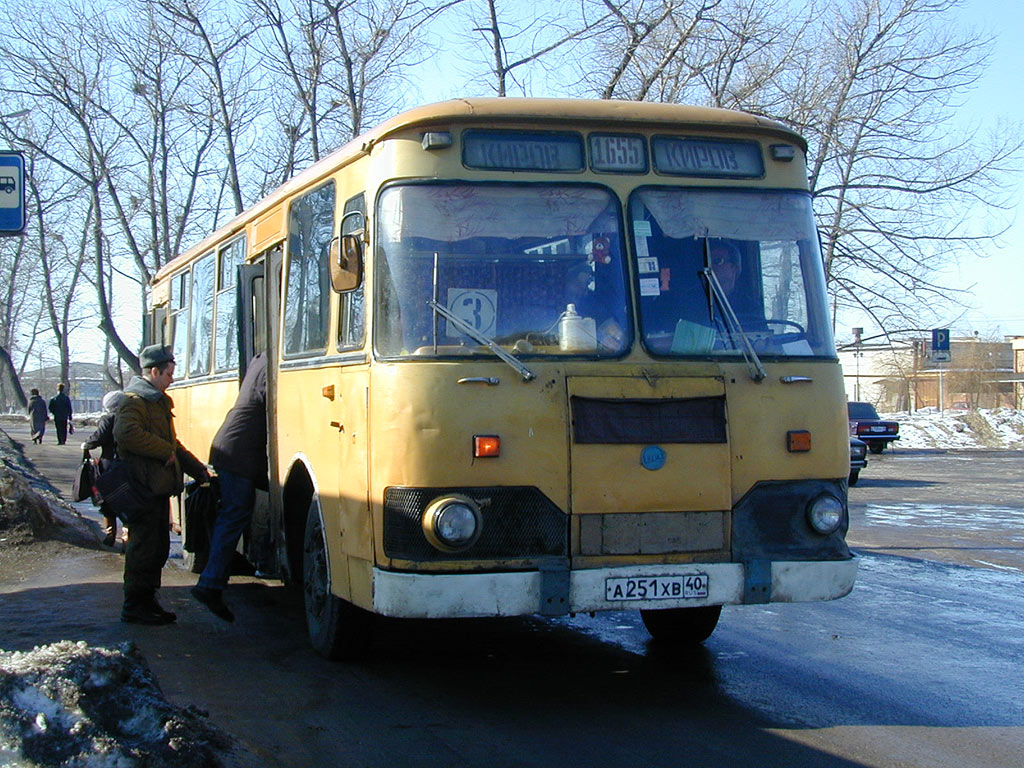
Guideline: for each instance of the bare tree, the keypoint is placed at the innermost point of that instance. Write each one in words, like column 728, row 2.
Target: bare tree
column 874, row 85
column 517, row 38
column 171, row 125
column 216, row 44
column 641, row 43
column 67, row 83
column 894, row 186
column 14, row 266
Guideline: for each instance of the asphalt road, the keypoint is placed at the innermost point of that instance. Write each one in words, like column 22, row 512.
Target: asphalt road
column 922, row 665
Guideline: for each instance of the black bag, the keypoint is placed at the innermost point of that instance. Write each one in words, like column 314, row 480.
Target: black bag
column 118, row 488
column 201, row 505
column 85, row 479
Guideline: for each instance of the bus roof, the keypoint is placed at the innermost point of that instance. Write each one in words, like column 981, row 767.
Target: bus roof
column 527, row 110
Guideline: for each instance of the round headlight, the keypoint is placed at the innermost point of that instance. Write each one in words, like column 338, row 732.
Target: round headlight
column 825, row 514
column 452, row 523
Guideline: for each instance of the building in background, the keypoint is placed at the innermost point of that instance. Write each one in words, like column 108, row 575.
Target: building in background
column 901, row 376
column 87, row 383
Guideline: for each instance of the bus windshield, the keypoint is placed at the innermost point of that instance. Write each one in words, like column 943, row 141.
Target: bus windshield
column 762, row 250
column 537, row 269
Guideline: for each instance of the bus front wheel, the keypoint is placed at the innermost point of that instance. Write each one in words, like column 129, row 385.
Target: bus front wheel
column 688, row 626
column 337, row 629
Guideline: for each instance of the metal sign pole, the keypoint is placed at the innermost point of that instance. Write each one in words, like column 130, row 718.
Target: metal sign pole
column 942, row 394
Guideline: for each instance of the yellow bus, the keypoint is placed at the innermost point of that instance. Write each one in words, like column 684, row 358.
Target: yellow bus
column 531, row 356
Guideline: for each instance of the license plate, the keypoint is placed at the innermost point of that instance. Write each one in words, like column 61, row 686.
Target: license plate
column 688, row 586
column 878, row 429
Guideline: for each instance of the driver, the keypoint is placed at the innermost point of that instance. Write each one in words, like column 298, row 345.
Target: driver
column 726, row 264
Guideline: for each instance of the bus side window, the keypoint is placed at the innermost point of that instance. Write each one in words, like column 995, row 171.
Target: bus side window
column 177, row 323
column 201, row 326
column 230, row 258
column 155, row 329
column 307, row 292
column 351, row 312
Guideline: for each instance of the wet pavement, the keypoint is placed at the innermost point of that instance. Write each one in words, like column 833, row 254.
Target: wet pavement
column 922, row 665
column 963, row 507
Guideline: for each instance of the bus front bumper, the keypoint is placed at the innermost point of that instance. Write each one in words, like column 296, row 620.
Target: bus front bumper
column 560, row 591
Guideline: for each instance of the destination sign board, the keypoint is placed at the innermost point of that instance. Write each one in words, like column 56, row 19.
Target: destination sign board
column 522, row 150
column 678, row 156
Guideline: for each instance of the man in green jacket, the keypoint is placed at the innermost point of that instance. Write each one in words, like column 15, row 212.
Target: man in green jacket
column 144, row 432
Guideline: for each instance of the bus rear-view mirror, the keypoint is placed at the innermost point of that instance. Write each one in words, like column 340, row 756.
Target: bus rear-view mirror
column 346, row 263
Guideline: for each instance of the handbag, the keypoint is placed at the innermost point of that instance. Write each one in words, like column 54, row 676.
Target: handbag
column 201, row 505
column 85, row 479
column 118, row 488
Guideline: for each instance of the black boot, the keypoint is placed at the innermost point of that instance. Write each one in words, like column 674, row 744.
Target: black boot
column 214, row 600
column 140, row 607
column 169, row 616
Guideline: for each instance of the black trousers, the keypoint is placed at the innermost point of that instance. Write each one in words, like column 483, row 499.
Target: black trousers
column 61, row 425
column 149, row 544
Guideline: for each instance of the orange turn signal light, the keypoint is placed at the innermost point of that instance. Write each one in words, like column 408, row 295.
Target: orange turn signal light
column 486, row 445
column 798, row 441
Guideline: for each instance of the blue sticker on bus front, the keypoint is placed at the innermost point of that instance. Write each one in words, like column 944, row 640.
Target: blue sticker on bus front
column 652, row 457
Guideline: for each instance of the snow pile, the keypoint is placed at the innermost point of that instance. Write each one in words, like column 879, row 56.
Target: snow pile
column 68, row 704
column 25, row 514
column 983, row 429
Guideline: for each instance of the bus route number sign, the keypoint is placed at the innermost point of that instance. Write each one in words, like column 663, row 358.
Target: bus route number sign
column 688, row 586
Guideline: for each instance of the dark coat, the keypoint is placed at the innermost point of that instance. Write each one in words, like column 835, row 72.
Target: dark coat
column 103, row 438
column 60, row 407
column 240, row 445
column 37, row 411
column 144, row 432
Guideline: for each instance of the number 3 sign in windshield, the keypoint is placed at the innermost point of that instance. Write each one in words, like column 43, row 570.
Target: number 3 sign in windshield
column 477, row 307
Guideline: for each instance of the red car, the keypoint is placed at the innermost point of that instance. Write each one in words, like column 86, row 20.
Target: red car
column 865, row 425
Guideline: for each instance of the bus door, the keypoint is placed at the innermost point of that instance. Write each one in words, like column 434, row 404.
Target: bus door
column 650, row 466
column 258, row 302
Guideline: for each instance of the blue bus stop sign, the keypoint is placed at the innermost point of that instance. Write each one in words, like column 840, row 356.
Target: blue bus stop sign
column 12, row 193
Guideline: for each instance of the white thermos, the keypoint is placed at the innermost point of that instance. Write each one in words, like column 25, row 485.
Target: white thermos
column 575, row 333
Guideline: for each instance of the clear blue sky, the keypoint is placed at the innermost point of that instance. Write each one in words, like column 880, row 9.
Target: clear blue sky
column 998, row 272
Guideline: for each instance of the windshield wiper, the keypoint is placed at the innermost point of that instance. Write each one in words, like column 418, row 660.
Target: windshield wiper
column 480, row 338
column 732, row 323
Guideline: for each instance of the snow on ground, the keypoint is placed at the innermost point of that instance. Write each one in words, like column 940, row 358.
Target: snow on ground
column 983, row 429
column 69, row 704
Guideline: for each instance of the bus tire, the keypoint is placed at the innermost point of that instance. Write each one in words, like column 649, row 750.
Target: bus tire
column 687, row 626
column 337, row 629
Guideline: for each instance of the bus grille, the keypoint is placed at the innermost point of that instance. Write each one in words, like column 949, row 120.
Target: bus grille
column 518, row 522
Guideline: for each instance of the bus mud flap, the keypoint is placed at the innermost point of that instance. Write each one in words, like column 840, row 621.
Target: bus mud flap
column 757, row 581
column 554, row 586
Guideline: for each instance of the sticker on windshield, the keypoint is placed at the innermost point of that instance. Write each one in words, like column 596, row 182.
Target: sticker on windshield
column 650, row 286
column 477, row 307
column 647, row 266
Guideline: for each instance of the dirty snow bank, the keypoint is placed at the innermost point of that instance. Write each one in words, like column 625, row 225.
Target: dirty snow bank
column 983, row 429
column 27, row 502
column 68, row 704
